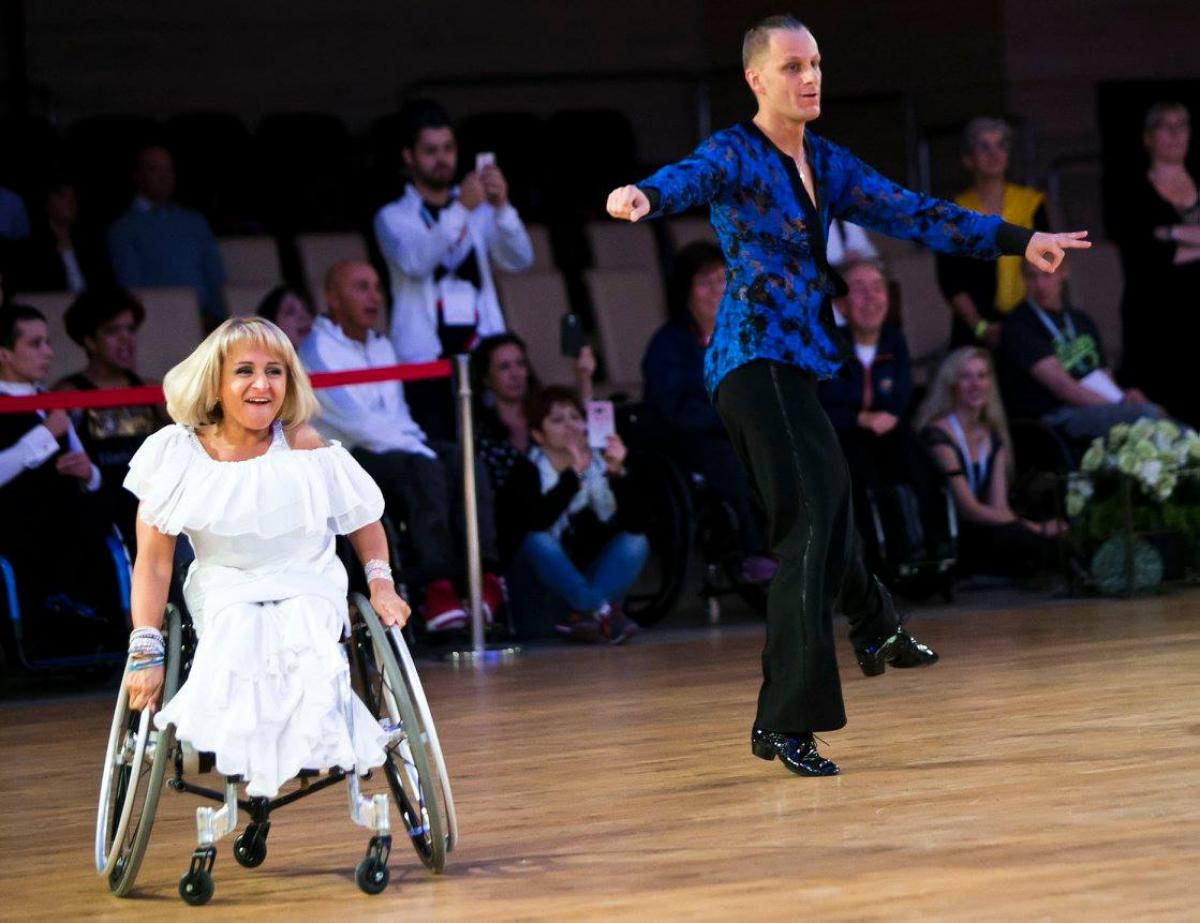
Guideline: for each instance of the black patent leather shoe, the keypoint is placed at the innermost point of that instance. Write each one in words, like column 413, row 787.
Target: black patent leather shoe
column 901, row 650
column 799, row 754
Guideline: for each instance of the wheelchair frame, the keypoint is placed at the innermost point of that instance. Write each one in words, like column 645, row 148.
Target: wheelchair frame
column 137, row 755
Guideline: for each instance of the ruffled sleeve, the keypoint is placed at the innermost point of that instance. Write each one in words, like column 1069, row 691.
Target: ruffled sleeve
column 157, row 473
column 354, row 499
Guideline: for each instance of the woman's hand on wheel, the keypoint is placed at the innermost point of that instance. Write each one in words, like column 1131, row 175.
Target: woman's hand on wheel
column 144, row 687
column 391, row 609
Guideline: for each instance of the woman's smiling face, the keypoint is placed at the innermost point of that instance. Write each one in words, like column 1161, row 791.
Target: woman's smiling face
column 253, row 386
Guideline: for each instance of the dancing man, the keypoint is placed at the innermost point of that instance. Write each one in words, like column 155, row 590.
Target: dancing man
column 772, row 188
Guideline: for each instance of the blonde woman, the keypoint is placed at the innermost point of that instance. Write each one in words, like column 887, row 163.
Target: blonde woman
column 962, row 422
column 260, row 497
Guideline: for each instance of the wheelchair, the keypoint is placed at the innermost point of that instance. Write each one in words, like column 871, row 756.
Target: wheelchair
column 139, row 757
column 114, row 622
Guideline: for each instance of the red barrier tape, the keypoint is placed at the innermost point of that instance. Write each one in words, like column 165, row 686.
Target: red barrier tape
column 152, row 394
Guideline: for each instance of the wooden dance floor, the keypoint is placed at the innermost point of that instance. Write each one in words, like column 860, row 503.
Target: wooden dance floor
column 1047, row 768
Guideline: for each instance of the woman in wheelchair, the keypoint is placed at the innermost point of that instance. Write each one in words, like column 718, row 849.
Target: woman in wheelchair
column 962, row 422
column 261, row 498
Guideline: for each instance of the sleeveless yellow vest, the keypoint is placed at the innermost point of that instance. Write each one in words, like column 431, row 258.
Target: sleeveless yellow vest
column 1020, row 204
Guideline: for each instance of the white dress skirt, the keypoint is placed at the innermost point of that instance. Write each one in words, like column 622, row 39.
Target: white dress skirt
column 269, row 685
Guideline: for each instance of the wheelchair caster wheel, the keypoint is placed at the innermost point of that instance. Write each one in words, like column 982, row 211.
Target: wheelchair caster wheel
column 196, row 887
column 372, row 875
column 250, row 847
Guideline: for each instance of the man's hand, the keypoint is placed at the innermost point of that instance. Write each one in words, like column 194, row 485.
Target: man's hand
column 74, row 465
column 1046, row 251
column 628, row 203
column 585, row 364
column 471, row 192
column 877, row 421
column 495, row 186
column 391, row 609
column 57, row 422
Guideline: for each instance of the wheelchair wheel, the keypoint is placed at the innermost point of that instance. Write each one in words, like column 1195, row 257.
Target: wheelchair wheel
column 668, row 524
column 132, row 777
column 415, row 768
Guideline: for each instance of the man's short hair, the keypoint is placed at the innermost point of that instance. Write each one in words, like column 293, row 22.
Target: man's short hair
column 758, row 36
column 416, row 116
column 856, row 258
column 978, row 126
column 1159, row 111
column 10, row 316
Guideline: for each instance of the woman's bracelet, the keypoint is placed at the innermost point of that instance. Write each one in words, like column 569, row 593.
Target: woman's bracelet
column 376, row 569
column 135, row 665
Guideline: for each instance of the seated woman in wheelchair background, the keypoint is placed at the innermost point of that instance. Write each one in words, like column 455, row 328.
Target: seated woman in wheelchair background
column 52, row 528
column 679, row 415
column 567, row 522
column 962, row 422
column 868, row 403
column 260, row 497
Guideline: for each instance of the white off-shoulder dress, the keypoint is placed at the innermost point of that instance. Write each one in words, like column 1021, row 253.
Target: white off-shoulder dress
column 267, row 594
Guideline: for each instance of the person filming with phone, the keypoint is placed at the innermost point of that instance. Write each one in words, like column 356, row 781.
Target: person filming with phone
column 439, row 240
column 566, row 517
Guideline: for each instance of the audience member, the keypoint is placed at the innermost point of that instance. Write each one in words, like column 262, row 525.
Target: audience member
column 502, row 386
column 679, row 414
column 439, row 240
column 105, row 322
column 286, row 308
column 868, row 405
column 1053, row 367
column 159, row 243
column 1155, row 220
column 567, row 515
column 14, row 219
column 47, row 481
column 981, row 292
column 55, row 257
column 420, row 478
column 963, row 423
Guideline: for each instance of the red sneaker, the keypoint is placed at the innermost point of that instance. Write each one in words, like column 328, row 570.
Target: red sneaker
column 494, row 595
column 443, row 609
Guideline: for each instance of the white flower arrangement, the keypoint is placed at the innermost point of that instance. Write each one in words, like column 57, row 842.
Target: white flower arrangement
column 1154, row 454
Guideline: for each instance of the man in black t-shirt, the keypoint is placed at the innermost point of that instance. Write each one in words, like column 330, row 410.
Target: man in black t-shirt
column 1053, row 367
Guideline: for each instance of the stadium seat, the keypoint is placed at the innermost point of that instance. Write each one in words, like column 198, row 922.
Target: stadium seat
column 250, row 260
column 620, row 245
column 925, row 314
column 171, row 330
column 320, row 251
column 534, row 303
column 1097, row 283
column 629, row 305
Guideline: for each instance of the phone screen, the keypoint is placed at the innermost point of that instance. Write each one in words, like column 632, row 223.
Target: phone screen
column 601, row 423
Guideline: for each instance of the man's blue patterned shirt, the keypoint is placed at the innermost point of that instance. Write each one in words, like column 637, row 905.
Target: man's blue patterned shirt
column 777, row 277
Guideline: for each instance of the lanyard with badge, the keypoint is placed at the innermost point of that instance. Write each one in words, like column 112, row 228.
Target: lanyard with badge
column 1069, row 348
column 976, row 476
column 457, row 299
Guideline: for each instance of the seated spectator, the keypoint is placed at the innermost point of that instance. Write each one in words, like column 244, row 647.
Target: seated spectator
column 51, row 532
column 14, row 219
column 286, row 309
column 159, row 243
column 105, row 323
column 439, row 240
column 420, row 478
column 567, row 515
column 678, row 410
column 1154, row 217
column 503, row 384
column 54, row 257
column 981, row 293
column 1053, row 366
column 963, row 423
column 868, row 405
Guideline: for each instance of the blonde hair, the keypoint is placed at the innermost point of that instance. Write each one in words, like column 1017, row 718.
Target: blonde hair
column 193, row 388
column 939, row 402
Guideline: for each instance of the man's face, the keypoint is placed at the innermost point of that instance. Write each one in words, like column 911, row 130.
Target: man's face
column 866, row 301
column 988, row 156
column 434, row 158
column 1046, row 288
column 356, row 298
column 155, row 175
column 786, row 77
column 29, row 358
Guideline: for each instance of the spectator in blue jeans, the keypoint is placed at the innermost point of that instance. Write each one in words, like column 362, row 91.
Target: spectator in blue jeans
column 566, row 522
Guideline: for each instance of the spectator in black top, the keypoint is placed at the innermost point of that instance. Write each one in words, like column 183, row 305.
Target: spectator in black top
column 1053, row 366
column 105, row 323
column 982, row 292
column 51, row 532
column 54, row 257
column 567, row 521
column 503, row 382
column 286, row 309
column 679, row 415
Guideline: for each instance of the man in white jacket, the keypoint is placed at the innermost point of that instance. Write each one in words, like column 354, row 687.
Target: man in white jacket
column 439, row 240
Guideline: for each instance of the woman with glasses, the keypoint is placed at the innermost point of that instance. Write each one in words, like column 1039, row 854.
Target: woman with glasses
column 981, row 293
